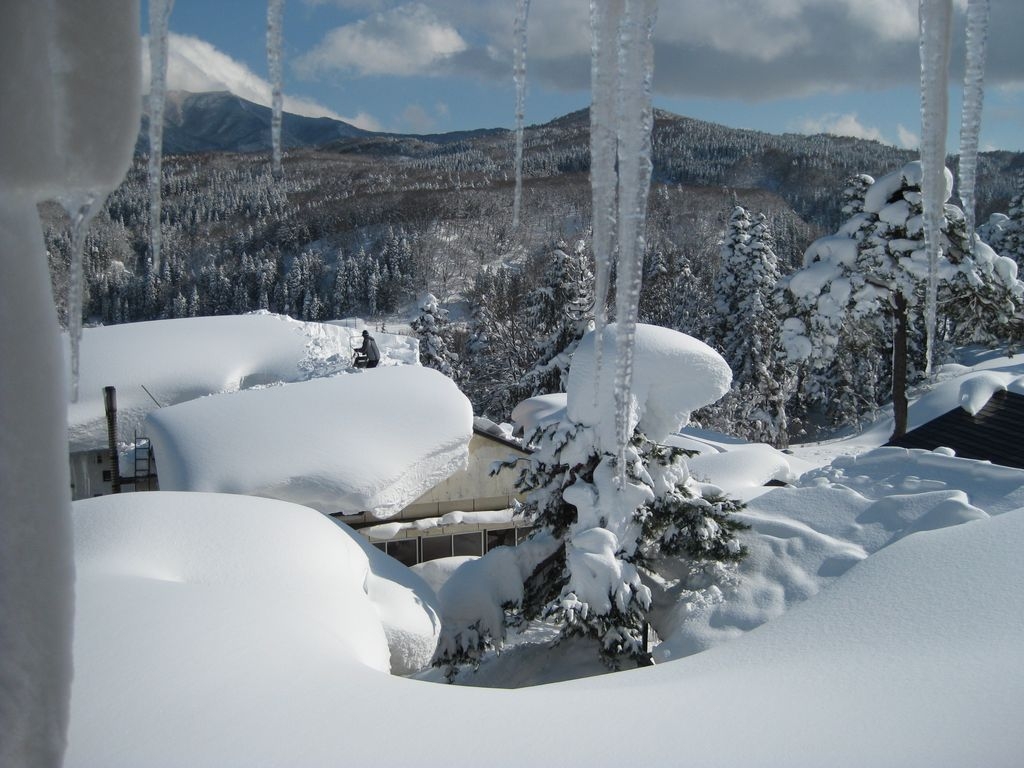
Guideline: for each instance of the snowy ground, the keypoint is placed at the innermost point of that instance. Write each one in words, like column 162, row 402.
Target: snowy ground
column 876, row 622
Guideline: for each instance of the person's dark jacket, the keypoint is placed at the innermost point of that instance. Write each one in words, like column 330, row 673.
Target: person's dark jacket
column 369, row 349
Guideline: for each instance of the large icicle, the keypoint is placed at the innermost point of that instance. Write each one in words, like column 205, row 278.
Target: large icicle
column 275, row 17
column 159, row 20
column 604, row 77
column 519, row 76
column 81, row 207
column 935, row 23
column 634, row 122
column 970, row 115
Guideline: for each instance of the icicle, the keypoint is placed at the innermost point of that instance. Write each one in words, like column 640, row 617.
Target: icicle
column 81, row 208
column 970, row 115
column 634, row 121
column 159, row 20
column 604, row 75
column 275, row 15
column 519, row 76
column 935, row 22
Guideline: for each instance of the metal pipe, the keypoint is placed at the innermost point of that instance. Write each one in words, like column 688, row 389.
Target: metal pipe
column 110, row 407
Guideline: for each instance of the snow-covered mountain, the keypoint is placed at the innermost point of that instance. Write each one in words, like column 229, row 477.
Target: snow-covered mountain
column 220, row 121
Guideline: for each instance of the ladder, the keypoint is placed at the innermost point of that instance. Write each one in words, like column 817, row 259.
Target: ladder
column 143, row 463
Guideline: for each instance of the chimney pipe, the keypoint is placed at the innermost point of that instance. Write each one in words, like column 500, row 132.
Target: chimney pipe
column 110, row 407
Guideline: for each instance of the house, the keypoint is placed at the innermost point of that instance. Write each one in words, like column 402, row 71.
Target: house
column 160, row 363
column 468, row 513
column 993, row 433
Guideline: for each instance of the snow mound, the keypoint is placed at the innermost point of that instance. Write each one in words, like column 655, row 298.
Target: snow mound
column 673, row 374
column 536, row 412
column 180, row 360
column 406, row 604
column 374, row 442
column 254, row 657
column 805, row 537
column 743, row 470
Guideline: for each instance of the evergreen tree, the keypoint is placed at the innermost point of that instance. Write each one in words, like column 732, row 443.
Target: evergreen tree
column 747, row 330
column 596, row 541
column 435, row 338
column 560, row 311
column 860, row 298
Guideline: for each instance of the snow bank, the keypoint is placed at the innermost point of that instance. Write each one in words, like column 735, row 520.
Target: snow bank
column 406, row 605
column 245, row 648
column 180, row 360
column 673, row 374
column 742, row 470
column 805, row 537
column 373, row 441
column 238, row 566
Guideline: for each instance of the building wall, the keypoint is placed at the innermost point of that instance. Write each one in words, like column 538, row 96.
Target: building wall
column 471, row 489
column 90, row 474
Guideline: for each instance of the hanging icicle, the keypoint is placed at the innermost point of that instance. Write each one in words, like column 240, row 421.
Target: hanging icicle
column 604, row 77
column 159, row 20
column 635, row 120
column 935, row 23
column 970, row 115
column 519, row 76
column 81, row 207
column 275, row 21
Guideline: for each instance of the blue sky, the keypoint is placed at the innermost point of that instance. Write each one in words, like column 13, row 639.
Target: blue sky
column 840, row 66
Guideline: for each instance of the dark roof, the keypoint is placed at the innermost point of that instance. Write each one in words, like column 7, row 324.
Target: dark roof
column 993, row 434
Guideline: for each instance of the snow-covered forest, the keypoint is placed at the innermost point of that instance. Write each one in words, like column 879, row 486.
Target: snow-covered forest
column 371, row 227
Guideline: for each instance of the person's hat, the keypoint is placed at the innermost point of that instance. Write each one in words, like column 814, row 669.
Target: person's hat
column 365, row 332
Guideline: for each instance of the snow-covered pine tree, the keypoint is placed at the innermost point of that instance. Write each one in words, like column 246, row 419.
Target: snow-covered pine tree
column 856, row 285
column 746, row 329
column 560, row 310
column 434, row 332
column 593, row 585
column 497, row 353
column 597, row 541
column 1005, row 231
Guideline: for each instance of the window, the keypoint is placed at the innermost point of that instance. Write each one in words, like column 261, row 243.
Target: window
column 404, row 551
column 468, row 544
column 436, row 546
column 505, row 538
column 106, row 476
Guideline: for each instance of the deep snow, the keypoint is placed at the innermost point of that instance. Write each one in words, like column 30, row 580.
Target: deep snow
column 368, row 442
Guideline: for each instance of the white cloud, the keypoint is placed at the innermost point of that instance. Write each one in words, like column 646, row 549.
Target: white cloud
column 405, row 40
column 906, row 138
column 746, row 49
column 847, row 124
column 417, row 120
column 197, row 66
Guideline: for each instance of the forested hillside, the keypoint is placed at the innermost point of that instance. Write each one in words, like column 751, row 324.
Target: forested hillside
column 368, row 224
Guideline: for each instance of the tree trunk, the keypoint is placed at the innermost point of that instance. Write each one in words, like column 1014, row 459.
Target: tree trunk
column 899, row 365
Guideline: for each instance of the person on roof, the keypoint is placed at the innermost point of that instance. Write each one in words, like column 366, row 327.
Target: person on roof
column 367, row 356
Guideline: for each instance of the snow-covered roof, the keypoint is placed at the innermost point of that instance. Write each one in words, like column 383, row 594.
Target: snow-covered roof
column 183, row 359
column 373, row 441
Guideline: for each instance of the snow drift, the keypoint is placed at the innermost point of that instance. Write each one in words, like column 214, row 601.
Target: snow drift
column 222, row 631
